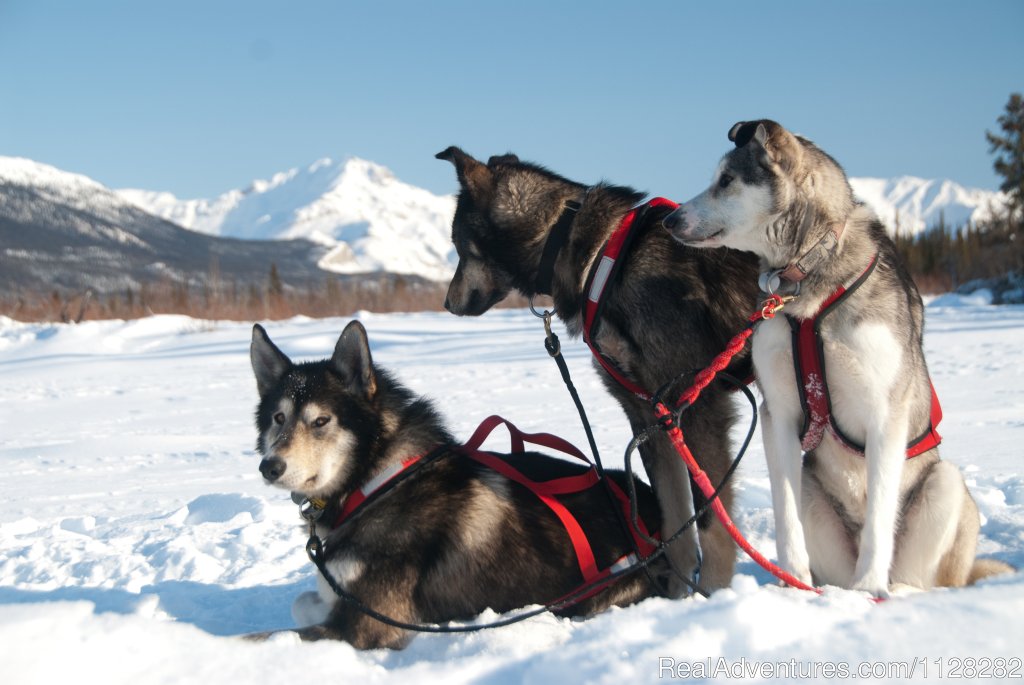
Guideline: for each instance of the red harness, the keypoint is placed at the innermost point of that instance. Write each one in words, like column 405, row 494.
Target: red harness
column 547, row 491
column 602, row 273
column 809, row 360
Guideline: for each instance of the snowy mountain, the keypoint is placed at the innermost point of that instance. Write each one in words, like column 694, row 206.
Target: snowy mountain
column 60, row 230
column 369, row 219
column 352, row 216
column 914, row 204
column 63, row 187
column 374, row 222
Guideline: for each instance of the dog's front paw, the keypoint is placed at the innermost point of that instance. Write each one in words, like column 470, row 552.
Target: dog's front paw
column 803, row 574
column 873, row 586
column 797, row 566
column 310, row 609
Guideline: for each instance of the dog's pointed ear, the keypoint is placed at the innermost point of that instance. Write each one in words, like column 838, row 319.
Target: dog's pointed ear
column 352, row 360
column 781, row 146
column 761, row 134
column 473, row 176
column 268, row 362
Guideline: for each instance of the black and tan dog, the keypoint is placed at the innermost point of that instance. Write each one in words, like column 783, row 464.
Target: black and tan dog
column 669, row 311
column 446, row 543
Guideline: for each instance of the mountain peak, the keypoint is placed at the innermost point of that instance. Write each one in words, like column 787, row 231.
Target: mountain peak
column 359, row 209
column 371, row 221
column 26, row 172
column 911, row 204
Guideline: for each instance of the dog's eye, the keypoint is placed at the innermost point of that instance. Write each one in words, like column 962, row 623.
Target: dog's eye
column 279, row 418
column 724, row 181
column 321, row 421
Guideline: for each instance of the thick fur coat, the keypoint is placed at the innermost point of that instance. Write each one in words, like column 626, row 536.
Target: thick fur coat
column 446, row 543
column 670, row 311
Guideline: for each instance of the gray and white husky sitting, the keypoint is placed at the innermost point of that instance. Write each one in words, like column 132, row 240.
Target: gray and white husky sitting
column 446, row 543
column 867, row 520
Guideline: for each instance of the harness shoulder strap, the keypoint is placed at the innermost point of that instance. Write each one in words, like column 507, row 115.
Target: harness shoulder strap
column 809, row 357
column 812, row 382
column 356, row 499
column 602, row 273
column 930, row 438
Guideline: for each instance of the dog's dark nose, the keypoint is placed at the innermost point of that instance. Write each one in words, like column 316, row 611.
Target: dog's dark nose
column 672, row 220
column 273, row 468
column 447, row 304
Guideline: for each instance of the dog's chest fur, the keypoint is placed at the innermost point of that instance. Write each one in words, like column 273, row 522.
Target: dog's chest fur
column 862, row 361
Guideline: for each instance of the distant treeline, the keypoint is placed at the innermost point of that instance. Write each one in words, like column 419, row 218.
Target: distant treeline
column 944, row 258
column 215, row 299
column 940, row 260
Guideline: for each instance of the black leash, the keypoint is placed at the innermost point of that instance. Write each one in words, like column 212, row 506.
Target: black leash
column 645, row 434
column 314, row 548
column 554, row 348
column 317, row 554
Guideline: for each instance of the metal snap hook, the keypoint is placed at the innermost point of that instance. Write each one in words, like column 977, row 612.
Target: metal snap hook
column 311, row 509
column 539, row 315
column 551, row 343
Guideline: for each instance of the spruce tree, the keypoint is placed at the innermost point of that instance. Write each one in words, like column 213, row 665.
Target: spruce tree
column 1009, row 151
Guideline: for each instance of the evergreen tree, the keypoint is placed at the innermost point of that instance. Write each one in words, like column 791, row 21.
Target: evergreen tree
column 1009, row 151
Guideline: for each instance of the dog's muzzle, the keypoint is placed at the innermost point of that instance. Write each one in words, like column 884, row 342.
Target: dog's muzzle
column 273, row 468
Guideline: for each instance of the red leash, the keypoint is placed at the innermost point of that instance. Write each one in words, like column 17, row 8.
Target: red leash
column 704, row 483
column 768, row 310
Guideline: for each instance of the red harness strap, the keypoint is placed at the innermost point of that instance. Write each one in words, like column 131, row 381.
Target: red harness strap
column 547, row 491
column 809, row 360
column 601, row 274
column 356, row 499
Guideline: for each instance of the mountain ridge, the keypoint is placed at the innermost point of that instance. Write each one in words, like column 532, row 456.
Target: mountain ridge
column 369, row 219
column 61, row 231
column 349, row 217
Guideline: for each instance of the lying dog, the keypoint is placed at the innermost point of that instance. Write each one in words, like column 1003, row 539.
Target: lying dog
column 447, row 542
column 520, row 227
column 856, row 510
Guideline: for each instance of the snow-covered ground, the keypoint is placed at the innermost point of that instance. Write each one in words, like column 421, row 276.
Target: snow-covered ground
column 136, row 536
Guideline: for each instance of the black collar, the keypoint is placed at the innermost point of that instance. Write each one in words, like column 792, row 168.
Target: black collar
column 557, row 237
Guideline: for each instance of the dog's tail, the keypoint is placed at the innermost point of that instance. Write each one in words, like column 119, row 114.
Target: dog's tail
column 984, row 568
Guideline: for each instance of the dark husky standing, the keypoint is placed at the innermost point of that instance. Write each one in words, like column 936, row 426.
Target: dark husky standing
column 446, row 543
column 870, row 504
column 660, row 319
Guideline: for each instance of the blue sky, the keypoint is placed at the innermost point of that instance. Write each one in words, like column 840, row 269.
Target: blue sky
column 197, row 98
